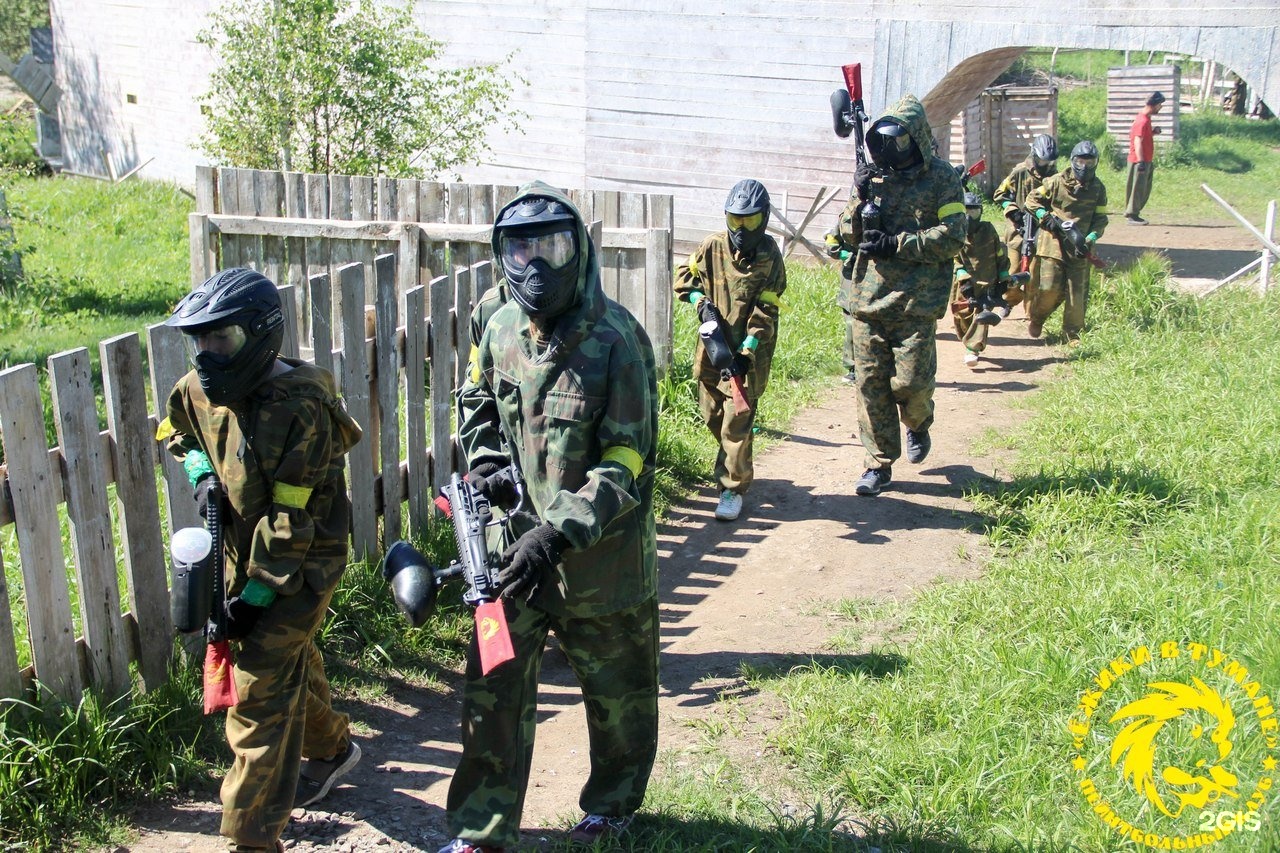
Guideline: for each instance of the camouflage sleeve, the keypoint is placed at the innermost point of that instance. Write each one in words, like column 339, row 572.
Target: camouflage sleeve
column 1006, row 194
column 1099, row 222
column 1038, row 199
column 284, row 534
column 1001, row 256
column 181, row 434
column 688, row 275
column 479, row 435
column 763, row 322
column 940, row 243
column 625, row 437
column 849, row 225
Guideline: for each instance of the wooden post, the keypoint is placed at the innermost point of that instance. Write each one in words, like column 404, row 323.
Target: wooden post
column 441, row 352
column 1266, row 256
column 388, row 384
column 354, row 374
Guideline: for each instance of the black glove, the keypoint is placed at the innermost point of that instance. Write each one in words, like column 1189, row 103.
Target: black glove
column 707, row 311
column 495, row 482
column 742, row 364
column 530, row 559
column 862, row 181
column 966, row 290
column 1016, row 216
column 878, row 244
column 241, row 617
column 202, row 495
column 1052, row 224
column 1074, row 242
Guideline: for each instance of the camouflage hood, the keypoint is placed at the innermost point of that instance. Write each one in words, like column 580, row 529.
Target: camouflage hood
column 589, row 300
column 307, row 380
column 909, row 113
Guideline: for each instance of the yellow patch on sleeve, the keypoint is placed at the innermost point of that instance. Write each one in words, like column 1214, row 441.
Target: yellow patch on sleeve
column 950, row 209
column 769, row 297
column 292, row 496
column 474, row 361
column 164, row 430
column 626, row 457
column 1102, row 209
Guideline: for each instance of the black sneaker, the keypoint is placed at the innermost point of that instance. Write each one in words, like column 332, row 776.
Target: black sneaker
column 918, row 444
column 320, row 774
column 850, row 377
column 873, row 480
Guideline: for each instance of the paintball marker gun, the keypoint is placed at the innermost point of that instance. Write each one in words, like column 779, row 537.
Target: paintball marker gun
column 1075, row 244
column 849, row 116
column 973, row 171
column 990, row 308
column 721, row 357
column 199, row 597
column 1029, row 229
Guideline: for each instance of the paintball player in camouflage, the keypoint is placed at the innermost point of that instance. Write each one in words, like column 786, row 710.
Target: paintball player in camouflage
column 274, row 432
column 906, row 221
column 735, row 277
column 564, row 384
column 1071, row 208
column 1011, row 198
column 980, row 267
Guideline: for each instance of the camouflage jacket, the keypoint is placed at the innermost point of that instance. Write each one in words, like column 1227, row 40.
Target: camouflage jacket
column 924, row 207
column 983, row 255
column 279, row 454
column 748, row 293
column 580, row 418
column 1065, row 197
column 1013, row 192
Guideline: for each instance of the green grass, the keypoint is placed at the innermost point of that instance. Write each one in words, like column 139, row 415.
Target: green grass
column 1145, row 507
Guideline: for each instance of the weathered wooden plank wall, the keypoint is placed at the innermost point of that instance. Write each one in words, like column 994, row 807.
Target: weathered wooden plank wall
column 1127, row 93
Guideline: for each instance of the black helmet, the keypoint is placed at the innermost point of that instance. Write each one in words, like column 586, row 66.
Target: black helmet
column 746, row 213
column 973, row 201
column 234, row 327
column 1044, row 153
column 537, row 239
column 1084, row 160
column 892, row 147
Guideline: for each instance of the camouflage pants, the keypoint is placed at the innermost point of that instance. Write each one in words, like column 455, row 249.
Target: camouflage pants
column 897, row 363
column 848, row 341
column 1017, row 293
column 615, row 658
column 284, row 715
column 972, row 335
column 734, row 469
column 1060, row 281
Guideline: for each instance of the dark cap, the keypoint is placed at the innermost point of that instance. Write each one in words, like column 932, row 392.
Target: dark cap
column 1156, row 99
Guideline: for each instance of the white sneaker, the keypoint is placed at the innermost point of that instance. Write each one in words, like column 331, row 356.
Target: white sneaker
column 971, row 359
column 729, row 507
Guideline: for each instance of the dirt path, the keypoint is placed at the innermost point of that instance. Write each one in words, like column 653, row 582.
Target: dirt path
column 758, row 591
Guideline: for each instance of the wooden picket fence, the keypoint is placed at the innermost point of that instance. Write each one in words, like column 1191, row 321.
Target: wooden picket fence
column 400, row 284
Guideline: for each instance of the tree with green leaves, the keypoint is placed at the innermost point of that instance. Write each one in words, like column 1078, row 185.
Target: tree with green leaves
column 346, row 87
column 17, row 19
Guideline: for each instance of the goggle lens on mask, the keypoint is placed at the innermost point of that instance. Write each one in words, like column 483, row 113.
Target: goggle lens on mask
column 751, row 221
column 556, row 249
column 1084, row 162
column 225, row 342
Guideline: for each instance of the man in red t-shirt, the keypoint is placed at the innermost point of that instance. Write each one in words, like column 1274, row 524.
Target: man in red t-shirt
column 1141, row 153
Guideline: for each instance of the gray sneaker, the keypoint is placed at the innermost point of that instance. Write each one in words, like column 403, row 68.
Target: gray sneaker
column 873, row 480
column 918, row 445
column 319, row 775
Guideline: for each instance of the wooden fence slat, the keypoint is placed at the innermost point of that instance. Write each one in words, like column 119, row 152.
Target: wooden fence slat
column 86, row 475
column 431, row 208
column 631, row 262
column 288, row 307
column 134, row 448
column 250, row 246
column 167, row 360
column 268, row 194
column 295, row 206
column 10, row 675
column 230, row 253
column 658, row 271
column 458, row 212
column 388, row 393
column 461, row 320
column 481, row 281
column 341, row 251
column 415, row 404
column 44, row 575
column 206, row 192
column 442, row 352
column 321, row 321
column 204, row 256
column 355, row 391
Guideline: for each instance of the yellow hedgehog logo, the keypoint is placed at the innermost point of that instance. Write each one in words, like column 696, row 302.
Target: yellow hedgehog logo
column 1134, row 747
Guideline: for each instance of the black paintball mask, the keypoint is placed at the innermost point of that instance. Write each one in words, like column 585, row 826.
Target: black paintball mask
column 973, row 206
column 538, row 249
column 892, row 147
column 1084, row 161
column 233, row 327
column 746, row 214
column 1044, row 154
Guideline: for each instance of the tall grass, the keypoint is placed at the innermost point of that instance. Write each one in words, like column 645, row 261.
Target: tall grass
column 1145, row 507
